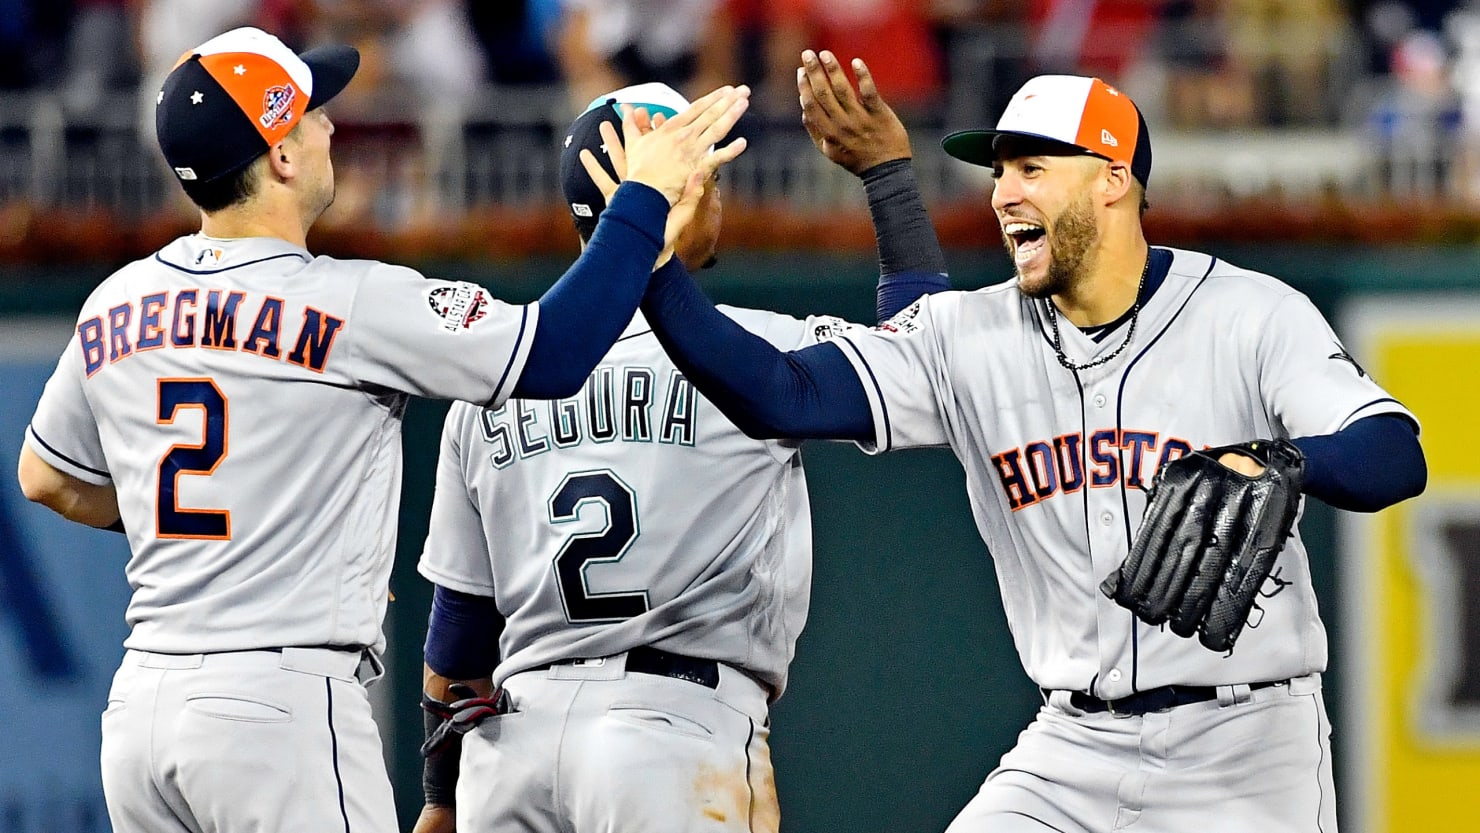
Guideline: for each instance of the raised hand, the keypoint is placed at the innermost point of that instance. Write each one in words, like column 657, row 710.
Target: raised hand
column 669, row 155
column 682, row 212
column 855, row 130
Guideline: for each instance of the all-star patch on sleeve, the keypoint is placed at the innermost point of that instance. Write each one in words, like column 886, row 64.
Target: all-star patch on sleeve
column 434, row 338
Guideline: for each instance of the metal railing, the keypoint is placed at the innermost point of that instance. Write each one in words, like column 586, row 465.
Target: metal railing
column 415, row 160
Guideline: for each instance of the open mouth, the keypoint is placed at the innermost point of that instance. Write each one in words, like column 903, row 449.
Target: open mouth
column 1028, row 239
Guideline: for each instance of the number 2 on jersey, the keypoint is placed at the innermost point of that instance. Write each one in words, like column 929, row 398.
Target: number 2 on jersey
column 193, row 459
column 608, row 545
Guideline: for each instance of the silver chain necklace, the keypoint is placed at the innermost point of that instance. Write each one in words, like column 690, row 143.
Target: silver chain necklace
column 1058, row 342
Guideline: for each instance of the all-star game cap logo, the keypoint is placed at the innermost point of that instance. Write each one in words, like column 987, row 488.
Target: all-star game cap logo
column 277, row 106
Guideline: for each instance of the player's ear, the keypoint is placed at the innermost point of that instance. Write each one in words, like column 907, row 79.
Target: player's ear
column 1115, row 182
column 280, row 159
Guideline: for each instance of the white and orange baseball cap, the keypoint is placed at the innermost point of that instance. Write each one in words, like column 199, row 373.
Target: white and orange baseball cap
column 236, row 95
column 1078, row 114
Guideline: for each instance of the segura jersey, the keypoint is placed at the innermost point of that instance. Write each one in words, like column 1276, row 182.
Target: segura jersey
column 631, row 514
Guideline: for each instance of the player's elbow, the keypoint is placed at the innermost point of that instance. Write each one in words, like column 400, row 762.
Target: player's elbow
column 1414, row 478
column 40, row 483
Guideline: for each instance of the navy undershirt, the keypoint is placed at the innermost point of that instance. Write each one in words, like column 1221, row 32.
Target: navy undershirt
column 462, row 635
column 587, row 309
column 1160, row 263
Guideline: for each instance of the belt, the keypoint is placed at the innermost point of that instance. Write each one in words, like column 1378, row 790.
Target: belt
column 646, row 660
column 1153, row 699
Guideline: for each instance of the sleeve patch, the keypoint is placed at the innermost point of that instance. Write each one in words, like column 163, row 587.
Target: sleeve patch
column 460, row 305
column 826, row 327
column 905, row 322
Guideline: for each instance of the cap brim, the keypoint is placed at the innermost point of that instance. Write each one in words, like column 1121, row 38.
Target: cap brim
column 978, row 146
column 332, row 66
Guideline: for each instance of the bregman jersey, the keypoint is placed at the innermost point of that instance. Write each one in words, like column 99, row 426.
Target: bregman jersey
column 245, row 399
column 1057, row 462
column 631, row 514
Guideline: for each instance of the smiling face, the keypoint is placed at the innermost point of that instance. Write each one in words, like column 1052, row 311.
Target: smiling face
column 1049, row 225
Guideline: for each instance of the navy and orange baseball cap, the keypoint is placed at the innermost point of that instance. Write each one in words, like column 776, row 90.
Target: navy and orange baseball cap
column 228, row 100
column 1073, row 115
column 581, row 194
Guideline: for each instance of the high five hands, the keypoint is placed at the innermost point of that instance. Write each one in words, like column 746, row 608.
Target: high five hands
column 672, row 155
column 856, row 130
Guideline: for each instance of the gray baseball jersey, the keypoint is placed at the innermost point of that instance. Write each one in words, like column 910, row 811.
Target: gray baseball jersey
column 1056, row 462
column 245, row 399
column 631, row 514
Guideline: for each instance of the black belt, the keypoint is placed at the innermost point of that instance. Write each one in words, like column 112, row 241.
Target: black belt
column 1153, row 699
column 646, row 660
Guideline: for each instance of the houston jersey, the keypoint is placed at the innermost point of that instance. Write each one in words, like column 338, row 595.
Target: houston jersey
column 1057, row 462
column 631, row 514
column 245, row 399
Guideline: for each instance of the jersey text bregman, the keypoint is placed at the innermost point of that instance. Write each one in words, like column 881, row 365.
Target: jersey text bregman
column 192, row 317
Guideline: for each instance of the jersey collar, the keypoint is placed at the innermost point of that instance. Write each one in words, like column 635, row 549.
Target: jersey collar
column 200, row 254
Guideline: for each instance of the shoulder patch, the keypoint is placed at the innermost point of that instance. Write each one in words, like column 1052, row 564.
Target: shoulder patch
column 905, row 322
column 826, row 327
column 460, row 305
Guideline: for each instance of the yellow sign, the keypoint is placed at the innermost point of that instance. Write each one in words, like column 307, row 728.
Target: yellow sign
column 1411, row 584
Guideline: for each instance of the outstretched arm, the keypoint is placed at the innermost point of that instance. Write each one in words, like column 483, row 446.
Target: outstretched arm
column 861, row 133
column 586, row 310
column 1367, row 466
column 801, row 394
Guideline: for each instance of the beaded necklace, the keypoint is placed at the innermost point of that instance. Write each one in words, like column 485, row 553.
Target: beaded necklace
column 1058, row 342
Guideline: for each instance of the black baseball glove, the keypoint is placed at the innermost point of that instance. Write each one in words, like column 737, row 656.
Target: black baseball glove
column 1208, row 541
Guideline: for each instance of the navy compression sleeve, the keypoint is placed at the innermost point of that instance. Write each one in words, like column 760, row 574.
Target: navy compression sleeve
column 1368, row 465
column 462, row 635
column 911, row 263
column 808, row 393
column 582, row 315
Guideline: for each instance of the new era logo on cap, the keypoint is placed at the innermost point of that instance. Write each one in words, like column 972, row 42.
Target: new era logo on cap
column 1074, row 110
column 1070, row 110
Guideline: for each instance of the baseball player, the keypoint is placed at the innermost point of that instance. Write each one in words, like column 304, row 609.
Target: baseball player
column 233, row 404
column 631, row 569
column 1064, row 393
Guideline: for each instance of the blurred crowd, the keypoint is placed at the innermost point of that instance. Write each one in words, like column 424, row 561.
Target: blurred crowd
column 1218, row 63
column 1403, row 73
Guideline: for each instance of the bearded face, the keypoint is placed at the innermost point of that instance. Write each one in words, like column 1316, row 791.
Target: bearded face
column 1066, row 240
column 1048, row 220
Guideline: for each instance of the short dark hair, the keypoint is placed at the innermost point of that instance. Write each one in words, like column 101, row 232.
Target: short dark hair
column 225, row 191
